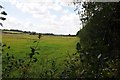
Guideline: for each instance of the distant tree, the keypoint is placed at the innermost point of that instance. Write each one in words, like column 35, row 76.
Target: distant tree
column 33, row 33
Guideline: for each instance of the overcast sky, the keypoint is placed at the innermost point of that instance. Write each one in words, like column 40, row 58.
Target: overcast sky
column 44, row 16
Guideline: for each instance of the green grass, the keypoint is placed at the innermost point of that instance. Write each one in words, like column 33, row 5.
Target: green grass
column 50, row 47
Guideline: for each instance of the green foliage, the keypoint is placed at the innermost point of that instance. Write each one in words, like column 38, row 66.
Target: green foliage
column 22, row 66
column 72, row 66
column 2, row 13
column 99, row 40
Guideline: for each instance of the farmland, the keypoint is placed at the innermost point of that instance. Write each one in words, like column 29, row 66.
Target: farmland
column 49, row 47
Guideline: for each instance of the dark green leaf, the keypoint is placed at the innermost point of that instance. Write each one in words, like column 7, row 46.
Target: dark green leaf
column 8, row 47
column 37, row 52
column 34, row 59
column 34, row 41
column 4, row 45
column 2, row 18
column 1, row 24
column 32, row 50
column 1, row 6
column 4, row 13
column 7, row 54
column 12, row 56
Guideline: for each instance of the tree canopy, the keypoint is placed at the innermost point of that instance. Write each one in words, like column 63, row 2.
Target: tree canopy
column 100, row 39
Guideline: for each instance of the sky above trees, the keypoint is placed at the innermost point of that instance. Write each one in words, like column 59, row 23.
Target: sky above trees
column 46, row 16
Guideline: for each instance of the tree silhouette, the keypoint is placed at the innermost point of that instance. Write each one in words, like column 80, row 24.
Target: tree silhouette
column 100, row 39
column 2, row 13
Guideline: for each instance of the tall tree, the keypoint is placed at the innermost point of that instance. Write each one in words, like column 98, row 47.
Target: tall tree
column 100, row 39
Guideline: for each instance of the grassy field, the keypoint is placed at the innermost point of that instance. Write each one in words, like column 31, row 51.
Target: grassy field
column 49, row 47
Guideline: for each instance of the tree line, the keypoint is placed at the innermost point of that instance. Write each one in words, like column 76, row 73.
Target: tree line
column 35, row 33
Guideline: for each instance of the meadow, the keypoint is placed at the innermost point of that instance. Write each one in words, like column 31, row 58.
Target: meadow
column 50, row 48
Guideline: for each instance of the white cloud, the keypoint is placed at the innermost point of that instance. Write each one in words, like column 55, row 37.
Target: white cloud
column 49, row 22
